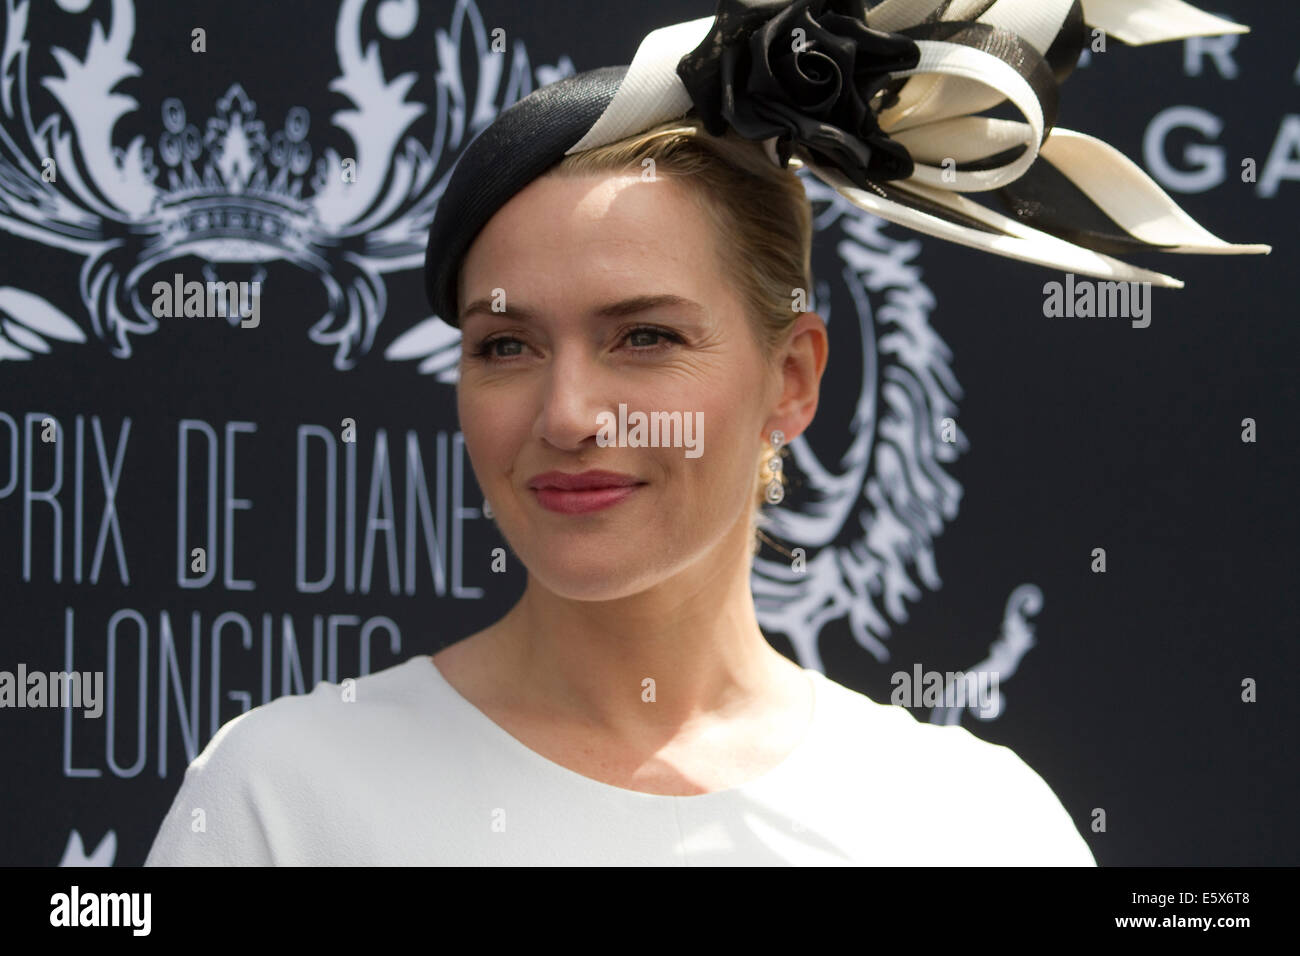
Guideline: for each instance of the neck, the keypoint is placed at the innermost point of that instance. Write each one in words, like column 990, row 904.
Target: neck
column 694, row 634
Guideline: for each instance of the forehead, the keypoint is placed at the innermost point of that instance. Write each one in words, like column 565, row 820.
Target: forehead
column 565, row 237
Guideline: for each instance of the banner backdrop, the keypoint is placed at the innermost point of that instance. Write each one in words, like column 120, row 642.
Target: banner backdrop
column 210, row 512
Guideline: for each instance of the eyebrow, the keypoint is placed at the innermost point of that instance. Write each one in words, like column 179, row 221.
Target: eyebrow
column 622, row 307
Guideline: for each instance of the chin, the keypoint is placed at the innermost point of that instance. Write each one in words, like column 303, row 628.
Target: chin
column 588, row 580
column 603, row 565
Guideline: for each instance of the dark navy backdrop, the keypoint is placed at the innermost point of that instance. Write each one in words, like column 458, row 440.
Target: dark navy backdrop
column 1073, row 433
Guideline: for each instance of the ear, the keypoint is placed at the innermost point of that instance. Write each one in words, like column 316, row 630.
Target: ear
column 802, row 362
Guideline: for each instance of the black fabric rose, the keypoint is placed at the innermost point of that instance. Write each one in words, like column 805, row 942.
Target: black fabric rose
column 754, row 73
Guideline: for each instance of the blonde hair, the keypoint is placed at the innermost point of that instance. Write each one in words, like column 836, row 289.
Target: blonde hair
column 760, row 212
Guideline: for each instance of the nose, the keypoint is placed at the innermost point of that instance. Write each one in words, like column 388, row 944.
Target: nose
column 570, row 400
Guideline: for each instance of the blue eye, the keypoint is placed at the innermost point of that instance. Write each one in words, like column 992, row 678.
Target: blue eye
column 485, row 348
column 636, row 337
column 652, row 331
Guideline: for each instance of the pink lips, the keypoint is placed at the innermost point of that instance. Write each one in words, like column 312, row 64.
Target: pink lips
column 582, row 493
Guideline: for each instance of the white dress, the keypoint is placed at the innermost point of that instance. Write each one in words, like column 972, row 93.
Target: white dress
column 412, row 773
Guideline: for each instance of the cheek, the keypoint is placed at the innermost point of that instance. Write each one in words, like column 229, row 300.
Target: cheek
column 725, row 470
column 489, row 434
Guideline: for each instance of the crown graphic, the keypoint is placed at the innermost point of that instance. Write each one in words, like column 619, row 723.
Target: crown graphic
column 230, row 182
column 224, row 189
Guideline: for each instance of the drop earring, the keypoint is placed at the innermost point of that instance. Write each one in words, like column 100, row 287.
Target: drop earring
column 775, row 491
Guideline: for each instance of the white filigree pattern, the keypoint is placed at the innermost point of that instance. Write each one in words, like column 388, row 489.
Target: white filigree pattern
column 231, row 190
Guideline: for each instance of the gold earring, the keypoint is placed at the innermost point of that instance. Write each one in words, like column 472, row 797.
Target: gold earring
column 775, row 491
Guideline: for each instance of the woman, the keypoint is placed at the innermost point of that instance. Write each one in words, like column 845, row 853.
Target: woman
column 631, row 240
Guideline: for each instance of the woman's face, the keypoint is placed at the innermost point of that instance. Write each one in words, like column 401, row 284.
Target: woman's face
column 586, row 293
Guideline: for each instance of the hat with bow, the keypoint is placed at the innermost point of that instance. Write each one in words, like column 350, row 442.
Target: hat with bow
column 884, row 105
